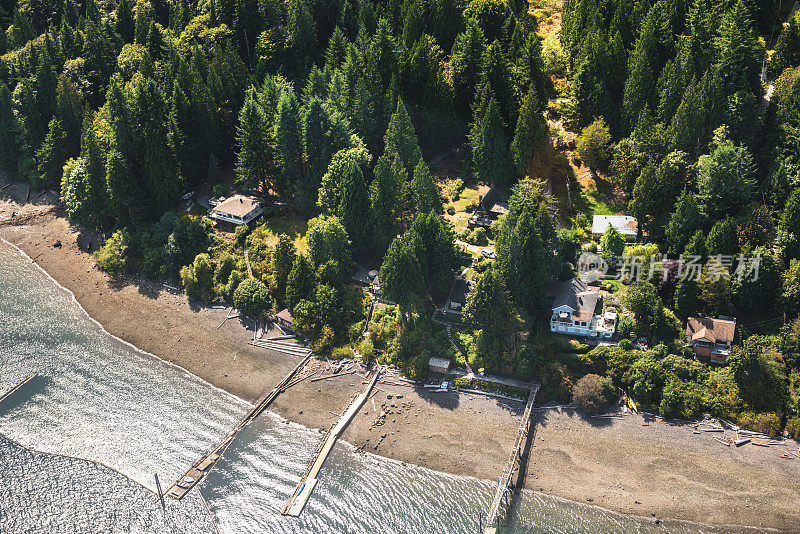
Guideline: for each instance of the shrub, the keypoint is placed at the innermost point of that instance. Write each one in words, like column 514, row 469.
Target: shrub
column 113, row 256
column 471, row 206
column 242, row 232
column 462, row 382
column 225, row 265
column 625, row 344
column 767, row 423
column 198, row 278
column 325, row 340
column 451, row 210
column 624, row 329
column 592, row 393
column 793, row 427
column 252, row 298
column 367, row 351
column 234, row 280
column 342, row 353
column 455, row 188
column 478, row 237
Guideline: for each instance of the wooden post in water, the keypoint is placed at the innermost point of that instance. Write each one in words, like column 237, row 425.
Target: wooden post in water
column 160, row 493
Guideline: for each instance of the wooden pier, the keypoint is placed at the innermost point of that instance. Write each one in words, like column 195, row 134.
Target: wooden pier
column 18, row 387
column 200, row 469
column 502, row 496
column 297, row 501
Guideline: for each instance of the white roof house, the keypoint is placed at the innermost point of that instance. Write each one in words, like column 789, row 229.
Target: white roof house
column 625, row 225
column 237, row 209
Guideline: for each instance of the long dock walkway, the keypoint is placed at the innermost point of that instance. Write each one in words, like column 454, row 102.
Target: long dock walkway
column 504, row 483
column 200, row 469
column 18, row 387
column 297, row 501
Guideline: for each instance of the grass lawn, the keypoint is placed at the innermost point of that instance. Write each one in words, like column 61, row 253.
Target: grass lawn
column 294, row 227
column 469, row 195
column 597, row 196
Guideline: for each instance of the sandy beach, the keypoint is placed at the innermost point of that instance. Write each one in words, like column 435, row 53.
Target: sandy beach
column 660, row 470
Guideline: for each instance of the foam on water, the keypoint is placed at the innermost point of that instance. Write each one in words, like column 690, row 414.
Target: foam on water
column 103, row 400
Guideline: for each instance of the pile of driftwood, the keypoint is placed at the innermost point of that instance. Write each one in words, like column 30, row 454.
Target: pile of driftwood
column 730, row 434
column 316, row 370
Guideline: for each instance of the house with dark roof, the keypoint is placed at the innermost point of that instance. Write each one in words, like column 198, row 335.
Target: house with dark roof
column 711, row 337
column 457, row 298
column 491, row 205
column 574, row 305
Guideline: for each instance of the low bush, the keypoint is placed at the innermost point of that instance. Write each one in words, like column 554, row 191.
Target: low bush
column 592, row 393
column 342, row 353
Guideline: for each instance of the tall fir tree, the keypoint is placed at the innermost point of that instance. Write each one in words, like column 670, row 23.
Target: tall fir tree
column 401, row 138
column 490, row 153
column 354, row 207
column 532, row 133
column 426, row 193
column 466, row 61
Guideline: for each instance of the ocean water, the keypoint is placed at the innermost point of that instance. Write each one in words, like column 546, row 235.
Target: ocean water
column 98, row 399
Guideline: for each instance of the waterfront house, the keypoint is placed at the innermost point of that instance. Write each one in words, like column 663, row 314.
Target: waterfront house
column 711, row 337
column 237, row 209
column 625, row 225
column 438, row 365
column 574, row 311
column 491, row 205
column 457, row 298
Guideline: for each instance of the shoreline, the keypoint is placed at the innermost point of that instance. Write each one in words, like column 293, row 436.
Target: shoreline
column 422, row 428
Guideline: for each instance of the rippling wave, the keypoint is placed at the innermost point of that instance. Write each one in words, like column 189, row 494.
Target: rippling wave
column 100, row 399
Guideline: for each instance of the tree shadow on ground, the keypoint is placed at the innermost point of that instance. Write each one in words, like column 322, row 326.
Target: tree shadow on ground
column 542, row 414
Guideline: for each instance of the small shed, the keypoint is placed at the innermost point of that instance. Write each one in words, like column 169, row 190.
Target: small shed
column 438, row 365
column 284, row 318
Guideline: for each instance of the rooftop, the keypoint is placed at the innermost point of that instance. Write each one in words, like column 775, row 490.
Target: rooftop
column 576, row 294
column 711, row 329
column 237, row 205
column 623, row 223
column 459, row 292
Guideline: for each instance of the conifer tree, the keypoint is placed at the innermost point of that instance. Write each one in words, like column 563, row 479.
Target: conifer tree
column 524, row 247
column 683, row 223
column 739, row 54
column 300, row 283
column 282, row 262
column 302, row 32
column 653, row 48
column 466, row 61
column 8, row 129
column 401, row 275
column 52, row 154
column 530, row 66
column 126, row 25
column 489, row 307
column 532, row 134
column 354, row 207
column 496, row 81
column 385, row 190
column 288, row 142
column 255, row 154
column 426, row 193
column 401, row 138
column 787, row 48
column 490, row 153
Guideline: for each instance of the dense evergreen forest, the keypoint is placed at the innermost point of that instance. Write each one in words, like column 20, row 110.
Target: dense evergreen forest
column 339, row 106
